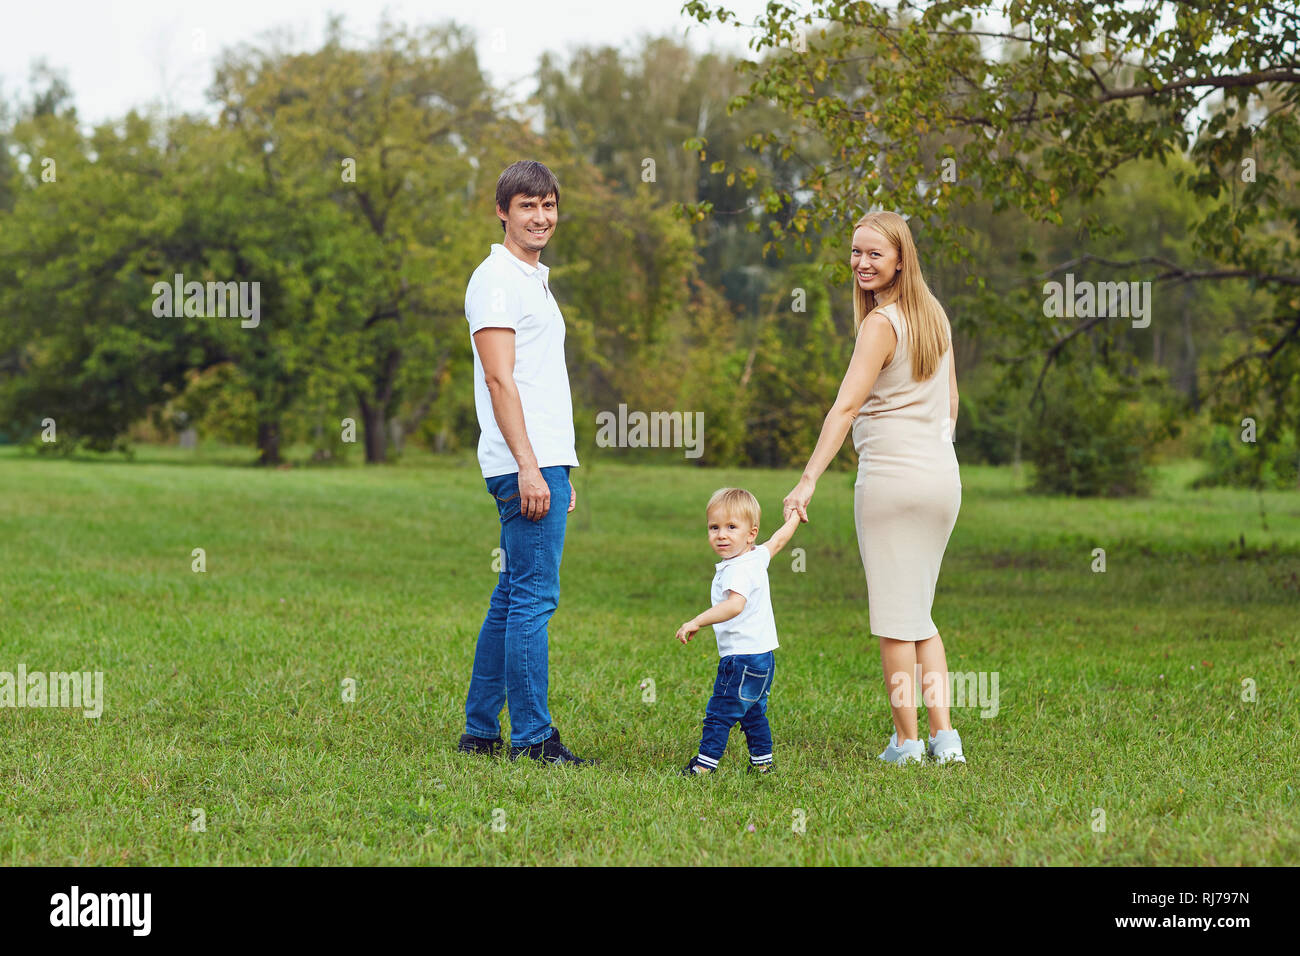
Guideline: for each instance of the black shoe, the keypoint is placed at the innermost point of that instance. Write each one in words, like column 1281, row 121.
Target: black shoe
column 696, row 769
column 469, row 744
column 549, row 750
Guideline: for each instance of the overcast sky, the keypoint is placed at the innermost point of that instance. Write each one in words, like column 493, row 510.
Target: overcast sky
column 122, row 53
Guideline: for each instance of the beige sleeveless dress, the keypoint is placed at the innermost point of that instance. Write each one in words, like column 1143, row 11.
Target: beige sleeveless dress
column 908, row 492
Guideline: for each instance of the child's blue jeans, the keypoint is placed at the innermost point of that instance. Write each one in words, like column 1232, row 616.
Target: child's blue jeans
column 739, row 695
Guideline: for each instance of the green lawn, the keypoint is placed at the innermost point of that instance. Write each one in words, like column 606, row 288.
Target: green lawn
column 1119, row 691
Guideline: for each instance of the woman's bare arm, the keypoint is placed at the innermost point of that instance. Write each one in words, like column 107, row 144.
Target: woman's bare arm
column 876, row 340
column 953, row 404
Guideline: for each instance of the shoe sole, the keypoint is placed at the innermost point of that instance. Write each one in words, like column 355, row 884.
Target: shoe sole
column 910, row 758
column 584, row 762
column 948, row 758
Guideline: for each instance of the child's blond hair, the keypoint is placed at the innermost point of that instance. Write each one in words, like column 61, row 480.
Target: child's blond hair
column 736, row 502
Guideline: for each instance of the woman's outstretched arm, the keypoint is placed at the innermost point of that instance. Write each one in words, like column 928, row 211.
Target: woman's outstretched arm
column 876, row 341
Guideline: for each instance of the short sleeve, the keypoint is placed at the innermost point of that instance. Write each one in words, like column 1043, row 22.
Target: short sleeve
column 740, row 579
column 491, row 303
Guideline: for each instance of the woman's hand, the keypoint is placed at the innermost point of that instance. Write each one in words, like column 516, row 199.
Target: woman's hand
column 797, row 500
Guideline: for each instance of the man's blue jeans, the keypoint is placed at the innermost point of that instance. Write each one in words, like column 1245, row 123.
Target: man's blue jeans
column 740, row 694
column 510, row 664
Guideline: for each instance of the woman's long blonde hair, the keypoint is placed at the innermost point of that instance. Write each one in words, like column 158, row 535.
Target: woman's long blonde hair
column 929, row 334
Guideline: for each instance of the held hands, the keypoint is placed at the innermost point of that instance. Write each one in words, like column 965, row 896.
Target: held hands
column 798, row 499
column 687, row 631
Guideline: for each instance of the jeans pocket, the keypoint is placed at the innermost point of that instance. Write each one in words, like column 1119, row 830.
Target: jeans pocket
column 508, row 508
column 753, row 684
column 506, row 495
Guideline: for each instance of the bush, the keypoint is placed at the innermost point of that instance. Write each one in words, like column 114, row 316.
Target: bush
column 986, row 427
column 1096, row 435
column 1270, row 462
column 220, row 404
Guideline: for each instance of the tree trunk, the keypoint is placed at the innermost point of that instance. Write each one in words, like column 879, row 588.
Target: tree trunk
column 374, row 423
column 268, row 442
column 374, row 409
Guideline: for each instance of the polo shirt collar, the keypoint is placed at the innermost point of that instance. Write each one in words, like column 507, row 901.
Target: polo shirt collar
column 524, row 267
column 740, row 557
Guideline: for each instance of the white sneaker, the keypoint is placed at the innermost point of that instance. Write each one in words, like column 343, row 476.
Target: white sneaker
column 945, row 747
column 909, row 752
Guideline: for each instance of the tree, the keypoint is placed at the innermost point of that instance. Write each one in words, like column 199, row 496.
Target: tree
column 380, row 134
column 80, row 250
column 939, row 105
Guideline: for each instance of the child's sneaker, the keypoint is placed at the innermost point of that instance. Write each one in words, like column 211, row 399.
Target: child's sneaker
column 945, row 747
column 910, row 751
column 761, row 766
column 697, row 768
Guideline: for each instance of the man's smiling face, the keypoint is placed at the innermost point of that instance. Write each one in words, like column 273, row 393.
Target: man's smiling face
column 530, row 222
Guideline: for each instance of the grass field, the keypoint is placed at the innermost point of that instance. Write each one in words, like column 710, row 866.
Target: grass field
column 1119, row 691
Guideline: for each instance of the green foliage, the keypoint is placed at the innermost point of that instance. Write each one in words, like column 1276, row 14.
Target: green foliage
column 370, row 149
column 1095, row 435
column 955, row 111
column 1271, row 462
column 219, row 403
column 674, row 287
column 80, row 252
column 793, row 369
column 986, row 428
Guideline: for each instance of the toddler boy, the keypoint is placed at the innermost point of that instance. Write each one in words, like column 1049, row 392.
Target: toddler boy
column 743, row 624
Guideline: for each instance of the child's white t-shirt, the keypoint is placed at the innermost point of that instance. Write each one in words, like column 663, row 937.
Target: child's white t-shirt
column 753, row 630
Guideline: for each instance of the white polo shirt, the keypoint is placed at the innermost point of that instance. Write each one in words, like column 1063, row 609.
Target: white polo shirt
column 753, row 630
column 506, row 292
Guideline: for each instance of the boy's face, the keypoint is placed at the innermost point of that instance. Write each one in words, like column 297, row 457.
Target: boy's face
column 730, row 535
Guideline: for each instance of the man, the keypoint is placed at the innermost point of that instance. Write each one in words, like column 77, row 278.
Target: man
column 525, row 450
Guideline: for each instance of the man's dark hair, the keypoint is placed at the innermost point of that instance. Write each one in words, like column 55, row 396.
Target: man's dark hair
column 529, row 178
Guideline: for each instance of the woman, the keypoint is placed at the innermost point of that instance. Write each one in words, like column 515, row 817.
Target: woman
column 899, row 396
